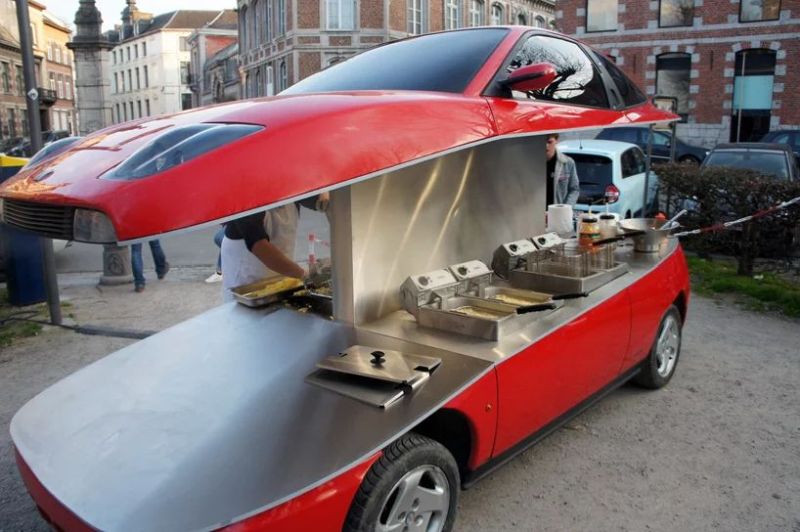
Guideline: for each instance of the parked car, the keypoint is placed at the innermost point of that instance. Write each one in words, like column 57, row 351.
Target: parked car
column 610, row 172
column 771, row 159
column 662, row 144
column 786, row 136
column 23, row 148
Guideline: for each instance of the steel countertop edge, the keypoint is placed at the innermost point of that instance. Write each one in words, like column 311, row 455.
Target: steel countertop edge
column 227, row 428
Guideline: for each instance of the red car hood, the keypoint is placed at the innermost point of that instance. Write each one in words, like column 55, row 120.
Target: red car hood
column 309, row 143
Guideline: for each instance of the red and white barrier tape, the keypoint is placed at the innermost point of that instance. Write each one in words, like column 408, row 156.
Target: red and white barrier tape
column 725, row 225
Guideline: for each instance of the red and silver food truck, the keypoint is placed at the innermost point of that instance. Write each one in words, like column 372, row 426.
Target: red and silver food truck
column 427, row 370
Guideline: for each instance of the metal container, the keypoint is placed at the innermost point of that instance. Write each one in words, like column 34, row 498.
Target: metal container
column 653, row 237
column 552, row 278
column 472, row 316
column 515, row 296
column 247, row 295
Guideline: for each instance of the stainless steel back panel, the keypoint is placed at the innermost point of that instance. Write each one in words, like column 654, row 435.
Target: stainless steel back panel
column 441, row 212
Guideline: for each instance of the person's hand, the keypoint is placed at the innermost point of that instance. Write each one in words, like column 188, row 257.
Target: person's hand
column 322, row 201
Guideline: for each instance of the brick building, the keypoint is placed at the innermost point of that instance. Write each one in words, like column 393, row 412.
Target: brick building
column 53, row 70
column 733, row 65
column 204, row 45
column 284, row 41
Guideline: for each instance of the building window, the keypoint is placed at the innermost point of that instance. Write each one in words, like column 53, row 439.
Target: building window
column 601, row 15
column 676, row 13
column 672, row 79
column 68, row 88
column 257, row 22
column 284, row 76
column 243, row 28
column 60, row 89
column 186, row 101
column 752, row 94
column 138, row 81
column 452, row 14
column 144, row 49
column 281, row 17
column 497, row 15
column 268, row 20
column 147, row 107
column 139, row 107
column 116, row 83
column 183, row 44
column 146, row 77
column 757, row 10
column 128, row 52
column 124, row 112
column 20, row 81
column 52, row 81
column 341, row 14
column 185, row 76
column 7, row 77
column 50, row 46
column 540, row 23
column 130, row 84
column 417, row 16
column 132, row 115
column 577, row 80
column 34, row 35
column 114, row 56
column 136, row 51
column 476, row 13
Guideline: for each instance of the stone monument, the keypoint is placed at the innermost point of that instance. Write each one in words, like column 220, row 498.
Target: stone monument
column 93, row 88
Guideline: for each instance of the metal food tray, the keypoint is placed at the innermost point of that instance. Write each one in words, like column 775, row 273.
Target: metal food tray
column 532, row 298
column 551, row 279
column 239, row 292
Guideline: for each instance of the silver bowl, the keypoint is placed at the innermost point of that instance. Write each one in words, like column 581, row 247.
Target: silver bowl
column 653, row 237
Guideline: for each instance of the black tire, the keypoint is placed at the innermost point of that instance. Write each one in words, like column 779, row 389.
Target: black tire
column 656, row 372
column 377, row 500
column 689, row 159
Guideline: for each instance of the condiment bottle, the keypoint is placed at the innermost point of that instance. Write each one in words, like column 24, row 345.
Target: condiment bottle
column 608, row 226
column 588, row 230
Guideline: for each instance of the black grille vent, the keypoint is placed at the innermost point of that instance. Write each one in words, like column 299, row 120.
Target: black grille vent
column 52, row 221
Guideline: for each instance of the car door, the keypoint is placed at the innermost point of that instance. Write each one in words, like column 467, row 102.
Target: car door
column 560, row 370
column 661, row 146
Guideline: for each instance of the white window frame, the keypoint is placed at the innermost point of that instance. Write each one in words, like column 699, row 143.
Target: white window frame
column 498, row 15
column 452, row 14
column 477, row 13
column 343, row 20
column 417, row 16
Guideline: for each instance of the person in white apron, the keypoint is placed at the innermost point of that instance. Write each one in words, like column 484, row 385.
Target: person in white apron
column 249, row 255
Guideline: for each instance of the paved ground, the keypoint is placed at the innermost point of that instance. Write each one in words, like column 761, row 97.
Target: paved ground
column 716, row 450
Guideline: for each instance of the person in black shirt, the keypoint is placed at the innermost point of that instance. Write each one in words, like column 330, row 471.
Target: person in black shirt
column 248, row 255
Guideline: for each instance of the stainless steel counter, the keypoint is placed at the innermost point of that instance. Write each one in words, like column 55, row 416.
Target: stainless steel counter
column 404, row 332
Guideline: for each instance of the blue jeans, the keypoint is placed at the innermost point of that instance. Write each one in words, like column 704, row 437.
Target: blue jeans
column 218, row 236
column 136, row 261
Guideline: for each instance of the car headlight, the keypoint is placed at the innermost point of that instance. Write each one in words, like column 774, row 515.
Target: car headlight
column 177, row 146
column 93, row 226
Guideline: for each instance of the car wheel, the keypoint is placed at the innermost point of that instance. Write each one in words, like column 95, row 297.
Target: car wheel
column 413, row 486
column 689, row 159
column 628, row 215
column 659, row 366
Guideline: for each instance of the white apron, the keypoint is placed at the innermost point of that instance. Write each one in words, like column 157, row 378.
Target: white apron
column 240, row 266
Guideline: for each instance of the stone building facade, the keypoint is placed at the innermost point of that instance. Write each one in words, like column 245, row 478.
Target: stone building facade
column 57, row 109
column 205, row 44
column 284, row 41
column 151, row 63
column 732, row 64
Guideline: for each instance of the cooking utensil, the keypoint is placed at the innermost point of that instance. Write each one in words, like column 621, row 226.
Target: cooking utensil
column 671, row 221
column 651, row 233
column 551, row 304
column 257, row 294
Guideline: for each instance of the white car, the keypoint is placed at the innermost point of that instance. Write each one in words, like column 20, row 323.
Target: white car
column 611, row 172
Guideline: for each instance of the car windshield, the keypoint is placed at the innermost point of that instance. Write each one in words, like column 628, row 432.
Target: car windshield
column 769, row 163
column 443, row 62
column 593, row 170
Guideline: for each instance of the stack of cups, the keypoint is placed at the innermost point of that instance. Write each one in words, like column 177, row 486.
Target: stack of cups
column 559, row 220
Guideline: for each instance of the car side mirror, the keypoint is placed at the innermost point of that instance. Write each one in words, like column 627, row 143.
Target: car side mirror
column 531, row 77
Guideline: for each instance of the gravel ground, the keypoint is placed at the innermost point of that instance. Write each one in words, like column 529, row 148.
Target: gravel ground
column 717, row 449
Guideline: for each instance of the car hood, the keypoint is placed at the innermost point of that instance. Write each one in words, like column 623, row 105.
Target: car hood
column 307, row 143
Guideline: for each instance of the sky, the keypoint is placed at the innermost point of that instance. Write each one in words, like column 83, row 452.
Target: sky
column 111, row 9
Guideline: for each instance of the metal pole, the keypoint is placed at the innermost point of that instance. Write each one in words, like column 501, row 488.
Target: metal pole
column 35, row 131
column 647, row 168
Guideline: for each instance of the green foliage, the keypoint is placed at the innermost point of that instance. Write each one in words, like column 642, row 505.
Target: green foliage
column 762, row 292
column 719, row 194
